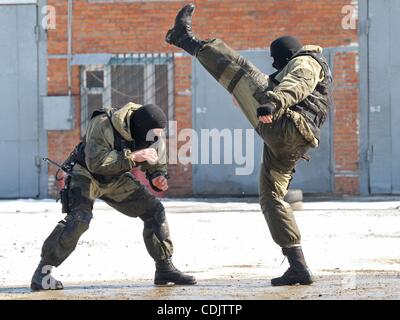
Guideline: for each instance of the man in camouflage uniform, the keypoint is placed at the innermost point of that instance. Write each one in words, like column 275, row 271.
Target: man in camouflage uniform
column 115, row 142
column 286, row 109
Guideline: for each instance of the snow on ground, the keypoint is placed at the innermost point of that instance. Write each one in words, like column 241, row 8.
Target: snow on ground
column 215, row 239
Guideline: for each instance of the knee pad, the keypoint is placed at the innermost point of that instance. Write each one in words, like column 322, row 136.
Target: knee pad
column 157, row 222
column 64, row 238
column 76, row 224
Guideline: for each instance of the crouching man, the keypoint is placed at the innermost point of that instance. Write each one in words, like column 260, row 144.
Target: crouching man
column 115, row 142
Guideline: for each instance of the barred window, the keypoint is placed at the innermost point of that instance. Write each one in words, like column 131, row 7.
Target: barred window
column 138, row 78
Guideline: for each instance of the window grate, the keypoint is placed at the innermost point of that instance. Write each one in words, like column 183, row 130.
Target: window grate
column 140, row 78
column 142, row 58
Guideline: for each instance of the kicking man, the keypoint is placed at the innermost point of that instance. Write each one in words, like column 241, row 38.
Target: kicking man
column 287, row 109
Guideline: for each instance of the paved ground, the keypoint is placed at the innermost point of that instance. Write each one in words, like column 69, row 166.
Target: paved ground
column 353, row 248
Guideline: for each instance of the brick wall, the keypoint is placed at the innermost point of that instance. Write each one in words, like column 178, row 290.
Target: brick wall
column 346, row 129
column 130, row 27
column 181, row 175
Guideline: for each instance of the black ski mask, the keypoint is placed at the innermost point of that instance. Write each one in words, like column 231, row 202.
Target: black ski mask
column 146, row 118
column 283, row 49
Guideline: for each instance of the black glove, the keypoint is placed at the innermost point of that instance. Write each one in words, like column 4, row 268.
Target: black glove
column 154, row 175
column 265, row 110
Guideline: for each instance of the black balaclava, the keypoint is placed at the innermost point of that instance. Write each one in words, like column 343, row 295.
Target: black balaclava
column 146, row 118
column 283, row 49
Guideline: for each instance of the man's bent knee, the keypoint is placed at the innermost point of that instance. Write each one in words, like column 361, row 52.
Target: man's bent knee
column 63, row 239
column 156, row 221
column 76, row 224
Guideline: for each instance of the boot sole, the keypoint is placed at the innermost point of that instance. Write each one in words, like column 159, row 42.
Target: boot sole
column 171, row 283
column 169, row 36
column 36, row 288
column 302, row 283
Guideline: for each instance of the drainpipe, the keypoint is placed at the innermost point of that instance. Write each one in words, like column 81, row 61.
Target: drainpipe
column 69, row 56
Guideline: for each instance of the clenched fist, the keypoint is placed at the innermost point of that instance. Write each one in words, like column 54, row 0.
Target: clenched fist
column 160, row 183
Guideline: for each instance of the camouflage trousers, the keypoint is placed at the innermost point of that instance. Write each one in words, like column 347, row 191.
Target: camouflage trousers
column 125, row 195
column 284, row 145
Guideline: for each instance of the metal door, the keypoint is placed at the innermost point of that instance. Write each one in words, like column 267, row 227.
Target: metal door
column 19, row 176
column 384, row 97
column 213, row 108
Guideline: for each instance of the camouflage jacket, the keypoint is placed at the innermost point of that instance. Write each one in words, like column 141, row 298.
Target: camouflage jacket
column 296, row 82
column 103, row 159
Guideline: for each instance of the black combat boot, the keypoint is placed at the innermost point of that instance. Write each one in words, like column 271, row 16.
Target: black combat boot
column 181, row 35
column 43, row 280
column 167, row 273
column 298, row 272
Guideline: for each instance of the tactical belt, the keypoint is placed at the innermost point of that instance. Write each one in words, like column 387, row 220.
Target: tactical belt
column 308, row 114
column 102, row 179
